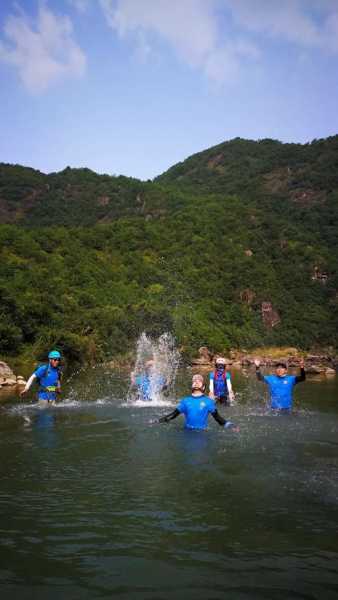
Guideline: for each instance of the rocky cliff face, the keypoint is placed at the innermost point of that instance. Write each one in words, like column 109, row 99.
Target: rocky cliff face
column 270, row 316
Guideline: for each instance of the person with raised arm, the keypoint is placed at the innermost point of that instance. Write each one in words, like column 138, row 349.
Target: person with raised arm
column 281, row 384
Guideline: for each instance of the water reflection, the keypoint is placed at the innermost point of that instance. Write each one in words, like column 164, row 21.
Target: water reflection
column 43, row 426
column 195, row 447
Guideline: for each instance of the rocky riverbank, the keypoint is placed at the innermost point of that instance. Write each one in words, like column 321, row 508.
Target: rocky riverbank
column 8, row 378
column 317, row 364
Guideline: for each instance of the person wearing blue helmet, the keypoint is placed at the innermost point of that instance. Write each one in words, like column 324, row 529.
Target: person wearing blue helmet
column 48, row 377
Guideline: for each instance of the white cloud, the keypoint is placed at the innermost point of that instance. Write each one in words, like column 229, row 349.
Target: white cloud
column 187, row 25
column 221, row 37
column 305, row 23
column 190, row 27
column 43, row 52
column 331, row 31
column 82, row 6
column 274, row 18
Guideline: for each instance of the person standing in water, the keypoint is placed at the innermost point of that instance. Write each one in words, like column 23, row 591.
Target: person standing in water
column 281, row 385
column 149, row 382
column 49, row 379
column 220, row 387
column 197, row 407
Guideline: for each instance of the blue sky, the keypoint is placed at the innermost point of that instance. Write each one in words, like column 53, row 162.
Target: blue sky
column 134, row 86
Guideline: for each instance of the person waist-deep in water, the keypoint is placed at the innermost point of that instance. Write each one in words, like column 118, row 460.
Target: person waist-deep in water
column 220, row 387
column 281, row 385
column 197, row 407
column 49, row 378
column 149, row 382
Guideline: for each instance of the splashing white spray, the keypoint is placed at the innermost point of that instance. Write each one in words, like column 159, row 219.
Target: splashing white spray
column 158, row 376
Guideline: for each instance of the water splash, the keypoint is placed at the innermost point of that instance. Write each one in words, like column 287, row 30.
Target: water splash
column 158, row 379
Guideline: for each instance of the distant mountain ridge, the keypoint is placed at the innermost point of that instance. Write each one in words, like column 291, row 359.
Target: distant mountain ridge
column 301, row 172
column 71, row 197
column 304, row 174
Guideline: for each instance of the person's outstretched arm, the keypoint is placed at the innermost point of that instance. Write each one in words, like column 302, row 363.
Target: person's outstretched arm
column 302, row 375
column 211, row 387
column 223, row 422
column 28, row 384
column 230, row 390
column 170, row 416
column 258, row 371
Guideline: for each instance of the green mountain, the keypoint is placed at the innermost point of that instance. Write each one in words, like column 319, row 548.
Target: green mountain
column 303, row 173
column 73, row 197
column 234, row 247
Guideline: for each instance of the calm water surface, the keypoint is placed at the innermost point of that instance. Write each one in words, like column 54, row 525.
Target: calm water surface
column 97, row 502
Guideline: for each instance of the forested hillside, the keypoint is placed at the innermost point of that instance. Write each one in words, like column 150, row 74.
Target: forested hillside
column 234, row 247
column 303, row 173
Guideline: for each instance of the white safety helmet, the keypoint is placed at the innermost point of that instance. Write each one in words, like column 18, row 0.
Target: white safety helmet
column 220, row 361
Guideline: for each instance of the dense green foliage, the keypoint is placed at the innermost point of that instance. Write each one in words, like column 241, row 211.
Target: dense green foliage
column 90, row 261
column 267, row 166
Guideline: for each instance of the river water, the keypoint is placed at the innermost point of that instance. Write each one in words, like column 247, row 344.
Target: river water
column 98, row 502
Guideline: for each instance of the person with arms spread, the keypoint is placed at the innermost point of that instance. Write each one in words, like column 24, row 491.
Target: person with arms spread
column 281, row 385
column 197, row 407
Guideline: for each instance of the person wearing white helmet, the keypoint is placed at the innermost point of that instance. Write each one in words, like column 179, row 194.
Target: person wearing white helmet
column 197, row 407
column 220, row 387
column 48, row 376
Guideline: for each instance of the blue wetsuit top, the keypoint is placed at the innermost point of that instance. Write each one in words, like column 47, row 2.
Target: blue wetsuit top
column 49, row 377
column 148, row 385
column 196, row 410
column 280, row 390
column 220, row 385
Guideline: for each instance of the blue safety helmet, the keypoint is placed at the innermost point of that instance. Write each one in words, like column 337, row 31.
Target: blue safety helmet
column 54, row 354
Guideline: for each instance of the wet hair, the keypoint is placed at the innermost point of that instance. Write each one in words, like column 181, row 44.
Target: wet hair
column 281, row 364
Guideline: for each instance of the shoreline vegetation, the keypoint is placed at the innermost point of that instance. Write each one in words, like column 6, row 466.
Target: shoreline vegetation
column 323, row 362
